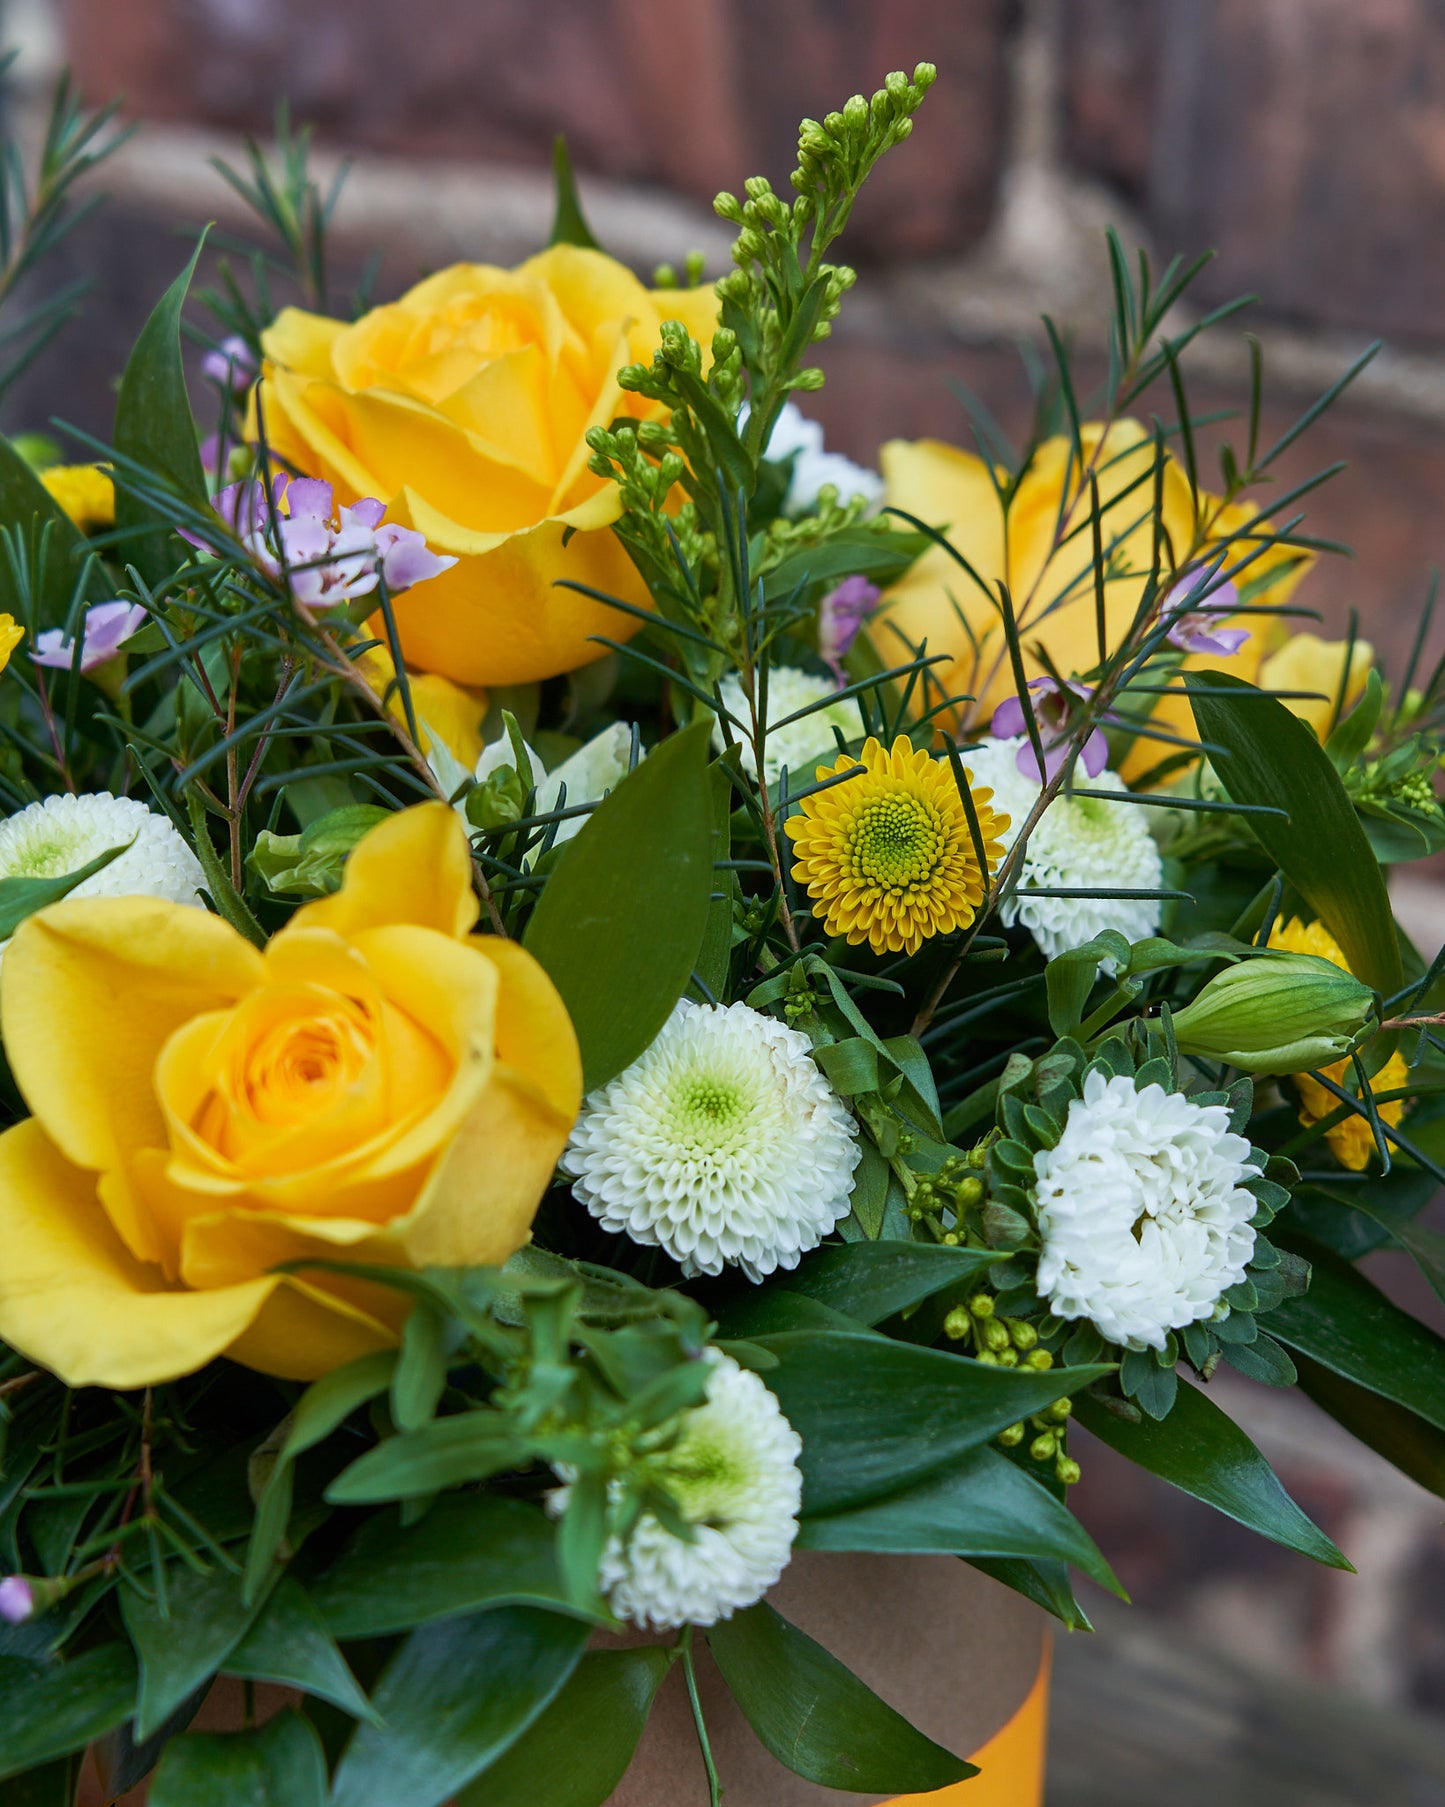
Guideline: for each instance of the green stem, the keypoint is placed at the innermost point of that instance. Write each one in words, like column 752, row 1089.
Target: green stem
column 714, row 1787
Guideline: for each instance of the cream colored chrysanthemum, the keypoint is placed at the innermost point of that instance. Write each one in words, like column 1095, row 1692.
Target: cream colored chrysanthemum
column 733, row 1474
column 63, row 833
column 888, row 857
column 722, row 1143
column 1142, row 1209
column 1081, row 842
column 798, row 745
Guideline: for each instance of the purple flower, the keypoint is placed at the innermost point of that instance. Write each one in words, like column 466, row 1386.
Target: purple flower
column 106, row 628
column 330, row 556
column 231, row 365
column 1194, row 630
column 17, row 1600
column 840, row 614
column 1053, row 706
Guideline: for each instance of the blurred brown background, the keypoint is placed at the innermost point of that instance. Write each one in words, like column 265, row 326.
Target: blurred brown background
column 1304, row 140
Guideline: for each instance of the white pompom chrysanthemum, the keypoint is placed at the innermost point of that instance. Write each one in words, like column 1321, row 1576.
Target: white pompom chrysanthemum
column 801, row 744
column 722, row 1143
column 1142, row 1209
column 63, row 833
column 733, row 1473
column 1080, row 842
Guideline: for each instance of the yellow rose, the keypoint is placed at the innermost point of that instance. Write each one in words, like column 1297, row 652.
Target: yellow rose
column 464, row 406
column 1351, row 1140
column 1305, row 662
column 11, row 634
column 1048, row 567
column 376, row 1085
column 84, row 491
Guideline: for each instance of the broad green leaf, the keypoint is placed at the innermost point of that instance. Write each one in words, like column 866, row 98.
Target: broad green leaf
column 569, row 224
column 1272, row 757
column 981, row 1505
column 52, row 1785
column 817, row 1718
column 452, row 1700
column 1204, row 1453
column 25, row 502
column 448, row 1452
column 1414, row 1447
column 621, row 920
column 49, row 1710
column 1347, row 1325
column 767, row 1311
column 179, row 1649
column 471, row 1551
column 876, row 1415
column 1046, row 1583
column 871, row 1281
column 289, row 1643
column 323, row 1408
column 578, row 1751
column 279, row 1764
column 22, row 897
column 860, row 551
column 1070, row 979
column 154, row 427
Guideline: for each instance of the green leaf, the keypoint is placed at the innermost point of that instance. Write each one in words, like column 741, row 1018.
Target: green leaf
column 24, row 500
column 875, row 1415
column 1204, row 1453
column 1070, row 979
column 1414, row 1447
column 448, row 1452
column 154, row 427
column 871, row 1281
column 569, row 225
column 1046, row 1583
column 849, row 1066
column 52, row 1785
column 981, row 1505
column 321, row 1409
column 578, row 1751
column 621, row 919
column 817, row 1718
column 421, row 1371
column 289, row 1644
column 1272, row 757
column 49, row 1710
column 279, row 1764
column 180, row 1649
column 770, row 1310
column 857, row 551
column 1349, row 1326
column 453, row 1699
column 470, row 1551
column 22, row 897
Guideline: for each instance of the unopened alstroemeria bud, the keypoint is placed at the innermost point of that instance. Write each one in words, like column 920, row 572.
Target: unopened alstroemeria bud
column 1276, row 1013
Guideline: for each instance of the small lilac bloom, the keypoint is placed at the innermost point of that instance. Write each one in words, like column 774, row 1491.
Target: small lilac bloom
column 17, row 1600
column 330, row 555
column 840, row 615
column 1194, row 630
column 106, row 628
column 1053, row 705
column 231, row 365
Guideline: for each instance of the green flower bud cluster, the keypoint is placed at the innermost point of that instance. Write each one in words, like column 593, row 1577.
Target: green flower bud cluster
column 693, row 265
column 1276, row 1013
column 1049, row 1440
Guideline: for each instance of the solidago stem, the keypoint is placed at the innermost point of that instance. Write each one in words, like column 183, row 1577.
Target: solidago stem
column 714, row 1787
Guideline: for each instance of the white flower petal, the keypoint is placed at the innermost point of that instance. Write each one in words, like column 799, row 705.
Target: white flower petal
column 722, row 1143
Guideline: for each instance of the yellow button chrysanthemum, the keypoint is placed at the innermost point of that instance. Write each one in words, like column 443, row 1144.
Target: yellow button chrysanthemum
column 887, row 857
column 84, row 491
column 1351, row 1140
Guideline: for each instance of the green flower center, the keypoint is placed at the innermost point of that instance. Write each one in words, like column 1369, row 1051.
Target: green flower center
column 45, row 859
column 706, row 1476
column 895, row 842
column 710, row 1112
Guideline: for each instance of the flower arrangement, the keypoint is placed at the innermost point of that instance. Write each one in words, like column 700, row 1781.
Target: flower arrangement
column 593, row 995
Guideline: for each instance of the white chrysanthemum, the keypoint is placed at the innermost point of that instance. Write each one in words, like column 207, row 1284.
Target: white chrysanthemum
column 723, row 1142
column 1080, row 841
column 734, row 1475
column 800, row 745
column 62, row 833
column 1143, row 1214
